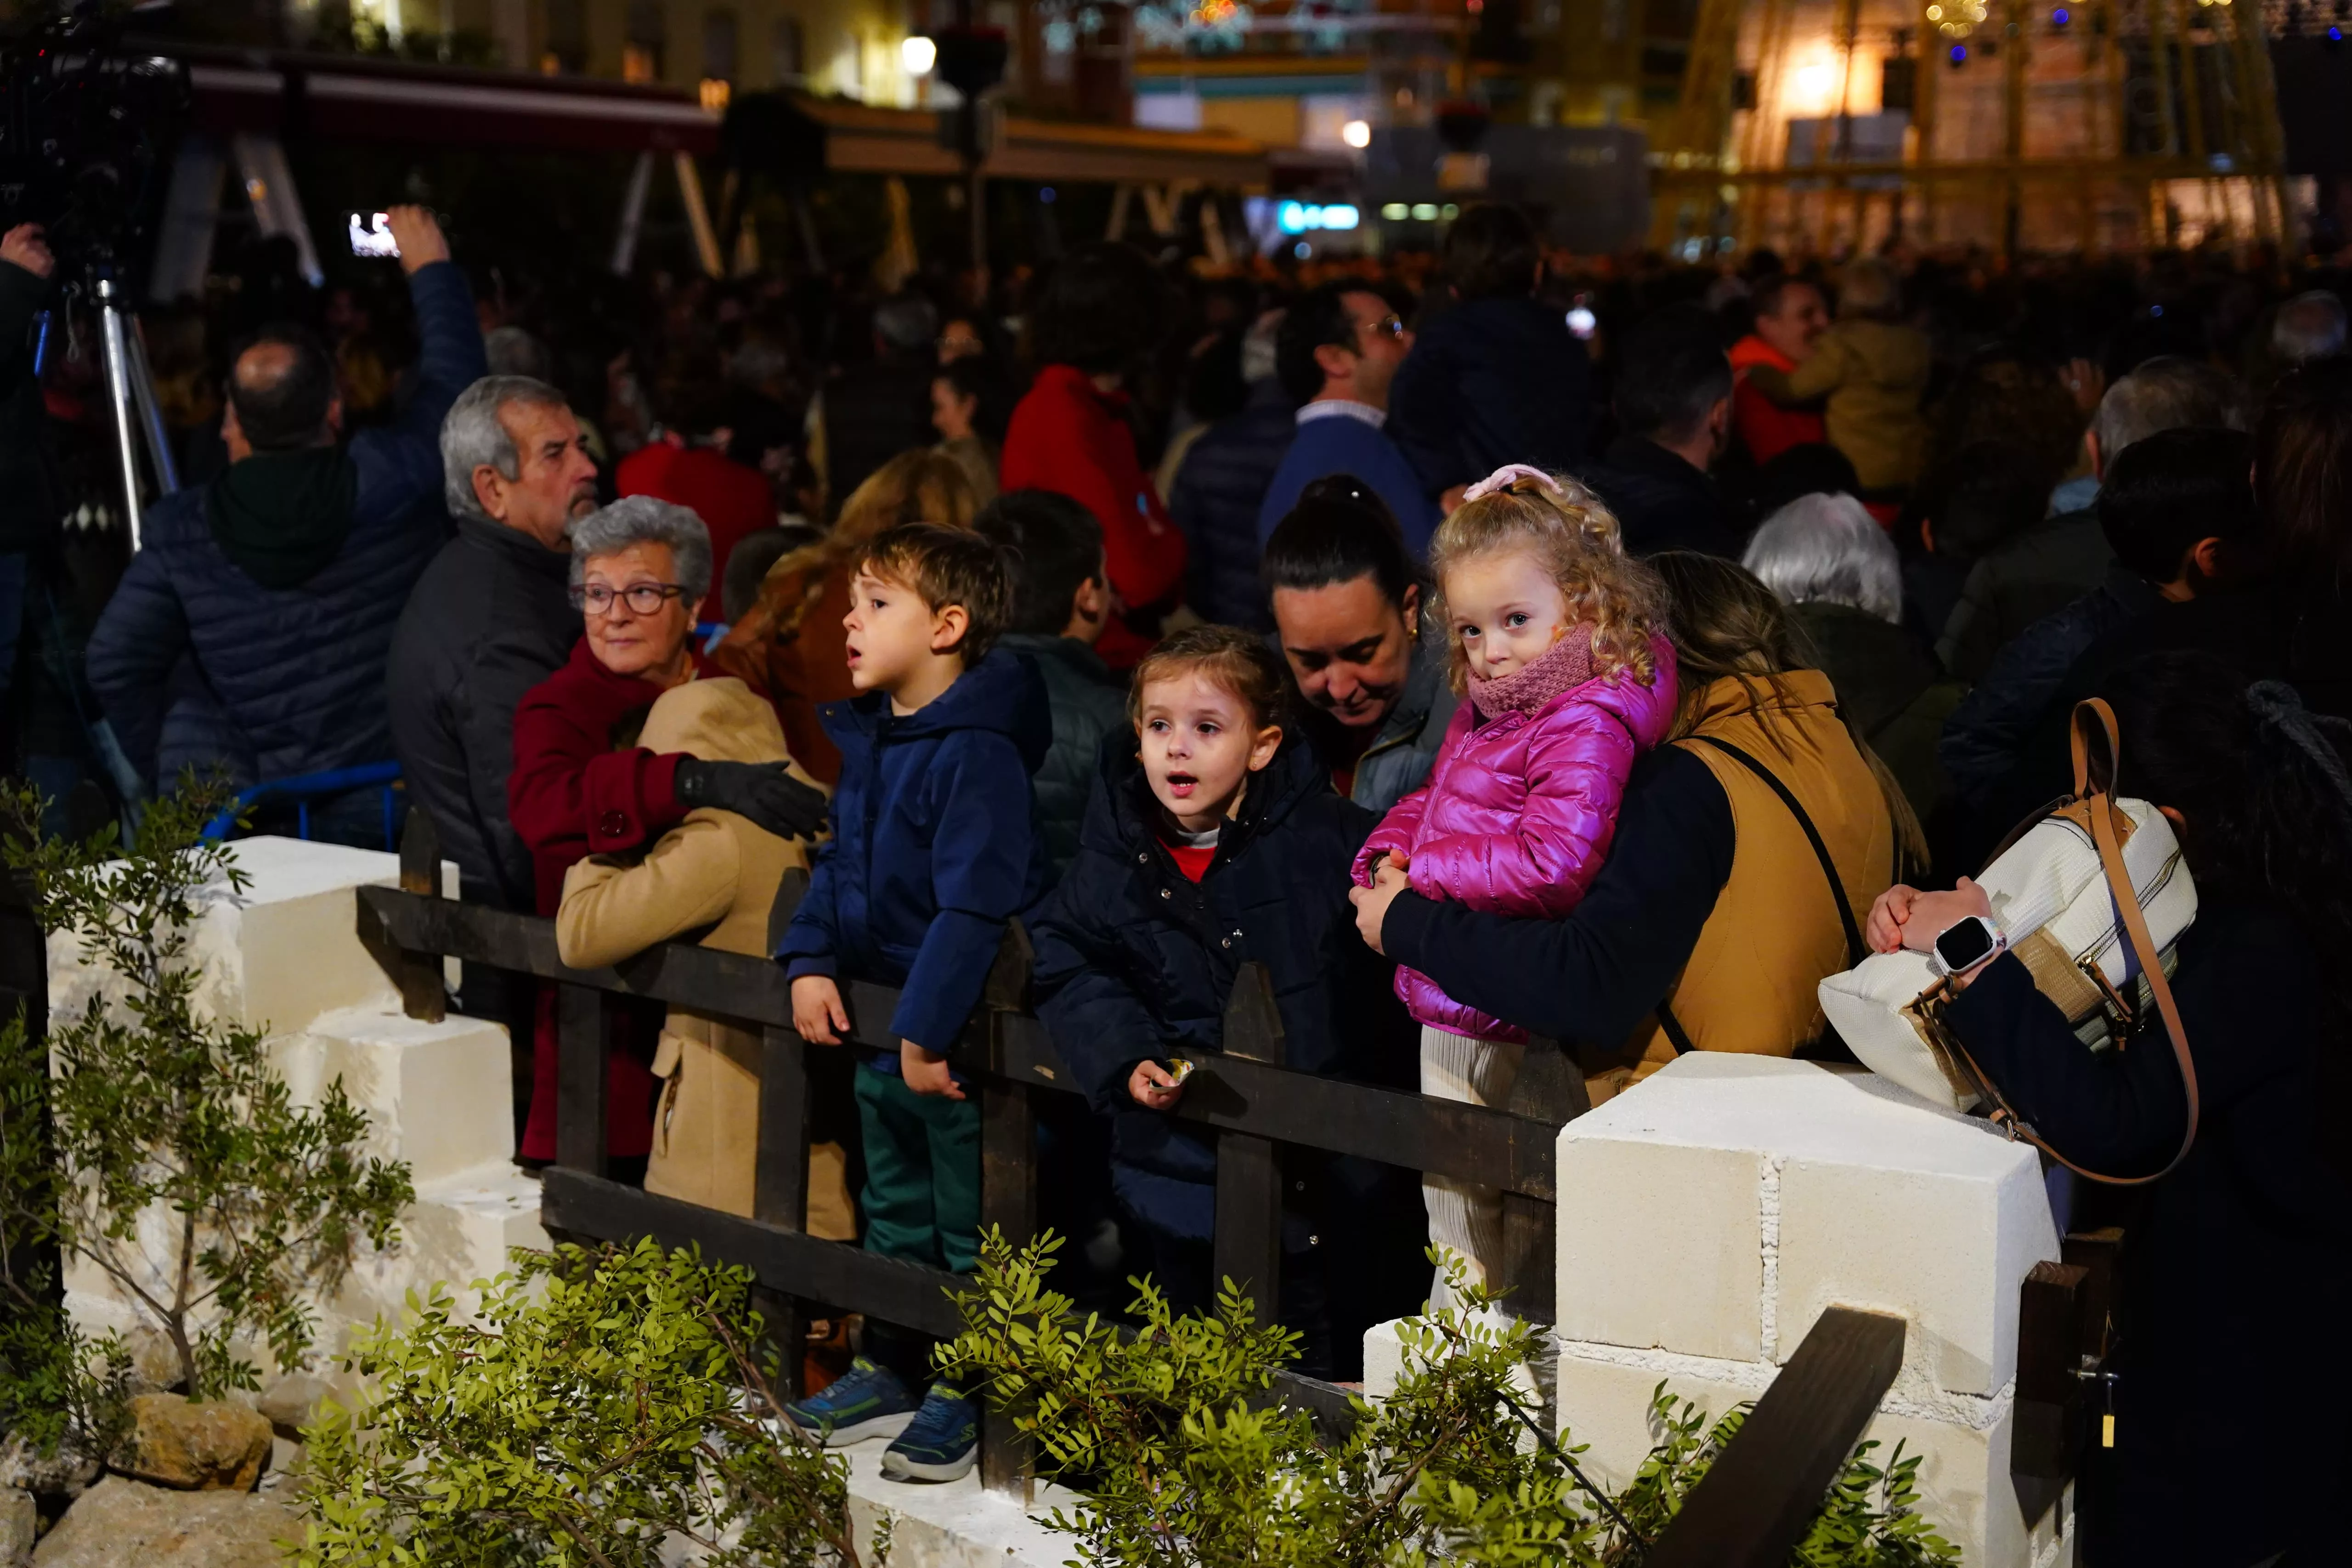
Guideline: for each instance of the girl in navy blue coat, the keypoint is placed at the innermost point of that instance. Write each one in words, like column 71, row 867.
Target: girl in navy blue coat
column 1214, row 838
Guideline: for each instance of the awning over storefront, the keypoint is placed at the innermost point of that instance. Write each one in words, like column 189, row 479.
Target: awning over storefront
column 294, row 96
column 861, row 138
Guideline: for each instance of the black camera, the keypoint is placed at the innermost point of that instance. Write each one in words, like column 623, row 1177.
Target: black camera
column 87, row 130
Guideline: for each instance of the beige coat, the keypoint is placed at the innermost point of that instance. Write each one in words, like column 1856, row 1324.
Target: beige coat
column 717, row 875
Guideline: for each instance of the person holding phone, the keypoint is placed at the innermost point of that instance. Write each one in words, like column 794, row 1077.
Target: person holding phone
column 278, row 585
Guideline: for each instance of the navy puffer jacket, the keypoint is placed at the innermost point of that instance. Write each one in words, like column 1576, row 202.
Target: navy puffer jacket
column 198, row 665
column 934, row 849
column 1135, row 962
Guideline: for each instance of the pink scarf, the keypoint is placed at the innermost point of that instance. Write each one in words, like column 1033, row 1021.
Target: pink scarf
column 1564, row 666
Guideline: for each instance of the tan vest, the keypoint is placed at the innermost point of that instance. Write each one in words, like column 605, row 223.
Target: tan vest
column 716, row 874
column 1751, row 982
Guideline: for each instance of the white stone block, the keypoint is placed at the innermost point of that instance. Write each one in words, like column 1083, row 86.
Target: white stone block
column 439, row 1096
column 1728, row 1196
column 1659, row 1242
column 282, row 952
column 1964, row 1485
column 459, row 1233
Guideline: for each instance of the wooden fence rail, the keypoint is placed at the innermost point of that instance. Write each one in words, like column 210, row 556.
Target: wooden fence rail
column 1810, row 1417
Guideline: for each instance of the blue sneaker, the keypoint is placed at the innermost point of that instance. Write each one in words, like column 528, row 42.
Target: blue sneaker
column 942, row 1442
column 869, row 1400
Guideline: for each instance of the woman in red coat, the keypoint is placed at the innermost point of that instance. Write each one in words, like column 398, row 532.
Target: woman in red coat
column 640, row 570
column 1103, row 311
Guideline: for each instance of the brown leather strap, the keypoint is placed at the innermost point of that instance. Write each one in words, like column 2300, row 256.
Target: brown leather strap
column 2094, row 716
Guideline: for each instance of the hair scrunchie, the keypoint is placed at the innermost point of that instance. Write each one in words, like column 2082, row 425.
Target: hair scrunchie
column 1509, row 475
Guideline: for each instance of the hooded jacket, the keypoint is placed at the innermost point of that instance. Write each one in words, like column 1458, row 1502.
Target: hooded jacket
column 1069, row 437
column 1518, row 813
column 1135, row 962
column 201, row 662
column 712, row 878
column 934, row 849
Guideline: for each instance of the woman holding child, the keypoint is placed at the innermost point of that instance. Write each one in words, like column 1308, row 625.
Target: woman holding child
column 1715, row 914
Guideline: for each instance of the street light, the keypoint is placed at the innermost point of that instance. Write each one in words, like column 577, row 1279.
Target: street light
column 1357, row 133
column 918, row 53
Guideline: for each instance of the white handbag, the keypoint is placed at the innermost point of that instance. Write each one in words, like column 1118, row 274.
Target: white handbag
column 2093, row 898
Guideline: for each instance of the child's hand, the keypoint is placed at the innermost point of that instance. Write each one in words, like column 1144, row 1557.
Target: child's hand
column 1885, row 930
column 1154, row 1087
column 927, row 1072
column 817, row 1012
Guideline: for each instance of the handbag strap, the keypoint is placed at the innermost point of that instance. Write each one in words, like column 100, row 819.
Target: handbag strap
column 2093, row 716
column 1854, row 949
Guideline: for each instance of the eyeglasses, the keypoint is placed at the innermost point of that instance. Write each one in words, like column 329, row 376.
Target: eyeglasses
column 1390, row 326
column 644, row 598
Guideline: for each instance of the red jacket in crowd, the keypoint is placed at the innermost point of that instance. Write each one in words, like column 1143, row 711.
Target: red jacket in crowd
column 1765, row 427
column 1070, row 436
column 731, row 499
column 571, row 795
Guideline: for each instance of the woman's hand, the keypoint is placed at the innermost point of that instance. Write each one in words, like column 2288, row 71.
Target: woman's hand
column 927, row 1072
column 817, row 1012
column 1905, row 917
column 1154, row 1087
column 1372, row 903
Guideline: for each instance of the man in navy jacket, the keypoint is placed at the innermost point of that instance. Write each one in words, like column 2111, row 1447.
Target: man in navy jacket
column 249, row 636
column 1338, row 350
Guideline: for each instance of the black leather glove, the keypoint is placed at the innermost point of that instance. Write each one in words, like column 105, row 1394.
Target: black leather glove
column 764, row 792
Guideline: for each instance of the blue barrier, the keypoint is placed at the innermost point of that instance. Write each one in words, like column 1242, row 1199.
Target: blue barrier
column 304, row 788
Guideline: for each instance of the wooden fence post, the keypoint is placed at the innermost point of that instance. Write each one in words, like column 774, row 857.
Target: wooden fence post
column 422, row 994
column 780, row 1179
column 1550, row 1089
column 581, row 1051
column 1248, row 1244
column 1008, row 1187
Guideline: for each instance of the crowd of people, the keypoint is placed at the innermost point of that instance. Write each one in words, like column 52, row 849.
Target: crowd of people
column 1485, row 649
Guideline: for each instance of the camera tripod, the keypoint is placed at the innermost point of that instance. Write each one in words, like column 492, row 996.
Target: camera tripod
column 133, row 413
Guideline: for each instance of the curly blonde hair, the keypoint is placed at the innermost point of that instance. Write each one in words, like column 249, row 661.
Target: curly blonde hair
column 1576, row 538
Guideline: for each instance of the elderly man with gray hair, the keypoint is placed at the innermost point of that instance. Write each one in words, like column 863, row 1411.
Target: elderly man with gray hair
column 639, row 572
column 2311, row 326
column 2046, row 568
column 488, row 620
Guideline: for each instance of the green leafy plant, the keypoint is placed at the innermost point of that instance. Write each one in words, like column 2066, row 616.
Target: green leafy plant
column 603, row 1403
column 1170, row 1435
column 154, row 1110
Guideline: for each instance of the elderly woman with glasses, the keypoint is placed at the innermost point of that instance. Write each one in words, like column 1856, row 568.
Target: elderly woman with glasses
column 582, row 786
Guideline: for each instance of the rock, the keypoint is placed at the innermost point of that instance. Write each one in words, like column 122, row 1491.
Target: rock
column 20, row 1521
column 67, row 1472
column 215, row 1445
column 121, row 1524
column 155, row 1365
column 290, row 1402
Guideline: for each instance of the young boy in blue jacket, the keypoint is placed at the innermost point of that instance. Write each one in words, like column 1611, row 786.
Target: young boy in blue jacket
column 934, row 849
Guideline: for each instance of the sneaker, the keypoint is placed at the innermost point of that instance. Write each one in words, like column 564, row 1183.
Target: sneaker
column 942, row 1442
column 867, row 1400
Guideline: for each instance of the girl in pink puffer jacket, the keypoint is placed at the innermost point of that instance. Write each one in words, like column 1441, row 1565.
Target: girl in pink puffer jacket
column 1559, row 643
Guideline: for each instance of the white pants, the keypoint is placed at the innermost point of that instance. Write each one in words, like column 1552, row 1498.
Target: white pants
column 1465, row 1217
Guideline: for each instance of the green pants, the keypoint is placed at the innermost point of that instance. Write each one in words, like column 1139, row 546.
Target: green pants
column 922, row 1173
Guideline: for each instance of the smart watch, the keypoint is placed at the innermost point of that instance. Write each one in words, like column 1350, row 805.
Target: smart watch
column 1965, row 945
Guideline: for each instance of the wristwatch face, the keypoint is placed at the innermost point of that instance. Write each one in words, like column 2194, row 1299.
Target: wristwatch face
column 1969, row 943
